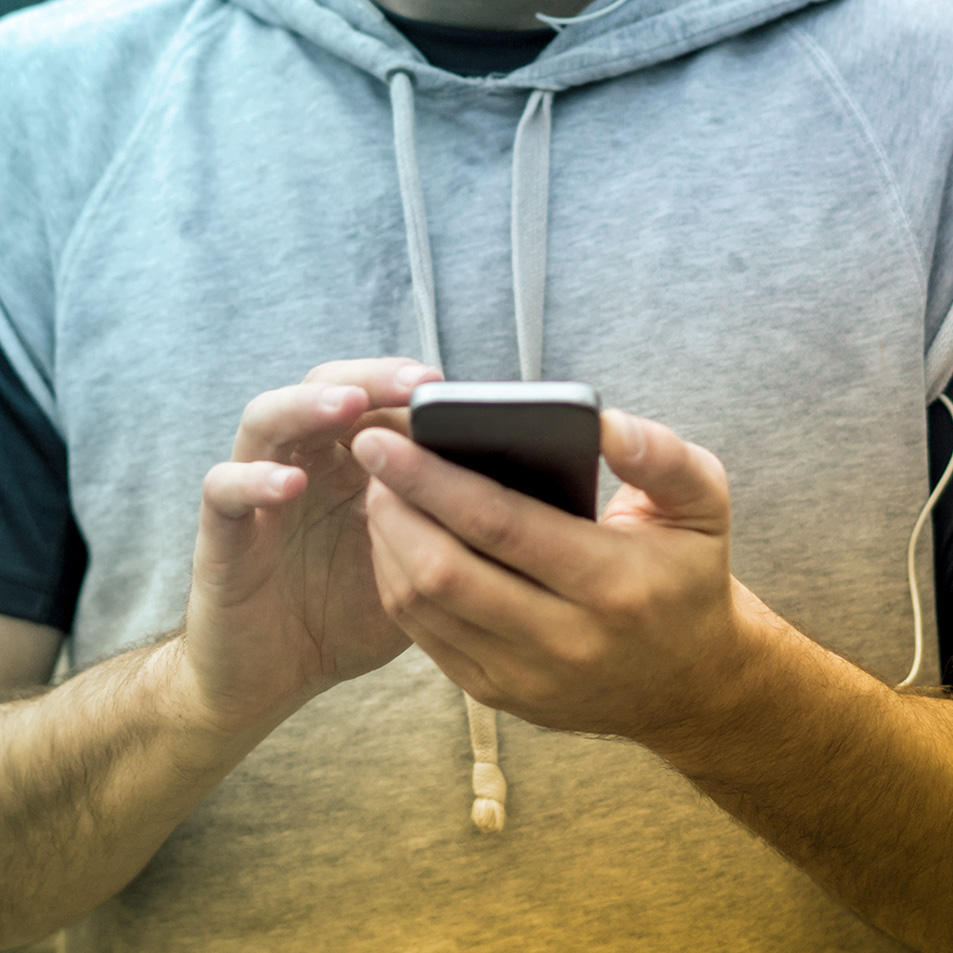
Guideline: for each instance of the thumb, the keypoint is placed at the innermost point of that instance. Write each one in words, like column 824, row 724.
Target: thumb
column 677, row 480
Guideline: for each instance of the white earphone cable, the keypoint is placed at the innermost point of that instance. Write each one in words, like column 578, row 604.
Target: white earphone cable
column 911, row 562
column 557, row 23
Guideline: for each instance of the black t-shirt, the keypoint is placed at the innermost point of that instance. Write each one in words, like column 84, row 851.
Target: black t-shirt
column 470, row 52
column 42, row 556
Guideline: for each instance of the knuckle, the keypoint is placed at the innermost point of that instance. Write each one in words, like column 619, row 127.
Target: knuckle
column 256, row 412
column 374, row 501
column 214, row 481
column 579, row 654
column 414, row 479
column 329, row 370
column 718, row 475
column 491, row 525
column 399, row 601
column 576, row 654
column 435, row 576
column 617, row 599
column 710, row 466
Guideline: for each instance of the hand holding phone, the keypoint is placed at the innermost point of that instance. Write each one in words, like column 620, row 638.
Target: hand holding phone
column 539, row 437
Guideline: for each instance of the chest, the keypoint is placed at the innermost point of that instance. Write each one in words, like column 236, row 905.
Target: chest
column 768, row 308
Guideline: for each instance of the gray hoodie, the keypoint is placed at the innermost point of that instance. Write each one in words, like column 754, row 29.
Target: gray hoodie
column 731, row 215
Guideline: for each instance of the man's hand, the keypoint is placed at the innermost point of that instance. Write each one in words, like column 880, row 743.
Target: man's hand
column 283, row 602
column 621, row 627
column 635, row 627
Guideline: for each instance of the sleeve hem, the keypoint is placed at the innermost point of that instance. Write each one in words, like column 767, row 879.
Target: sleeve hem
column 31, row 604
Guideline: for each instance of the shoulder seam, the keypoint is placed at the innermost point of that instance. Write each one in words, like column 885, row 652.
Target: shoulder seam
column 838, row 86
column 180, row 47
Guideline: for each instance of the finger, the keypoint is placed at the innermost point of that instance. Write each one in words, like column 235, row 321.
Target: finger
column 562, row 553
column 429, row 570
column 232, row 496
column 428, row 630
column 392, row 418
column 495, row 662
column 388, row 381
column 233, row 490
column 312, row 416
column 275, row 422
column 682, row 481
column 495, row 634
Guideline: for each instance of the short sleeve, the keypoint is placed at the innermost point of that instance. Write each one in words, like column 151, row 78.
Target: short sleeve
column 42, row 555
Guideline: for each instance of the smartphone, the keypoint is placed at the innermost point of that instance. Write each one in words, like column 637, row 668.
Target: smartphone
column 538, row 437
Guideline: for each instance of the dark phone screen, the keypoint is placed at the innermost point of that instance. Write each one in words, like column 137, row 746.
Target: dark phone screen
column 546, row 450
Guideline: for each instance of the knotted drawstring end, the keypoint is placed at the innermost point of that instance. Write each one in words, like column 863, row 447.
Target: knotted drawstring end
column 489, row 784
column 489, row 816
column 489, row 807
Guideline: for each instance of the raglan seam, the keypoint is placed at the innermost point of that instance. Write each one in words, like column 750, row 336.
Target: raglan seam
column 938, row 360
column 108, row 181
column 835, row 80
column 26, row 363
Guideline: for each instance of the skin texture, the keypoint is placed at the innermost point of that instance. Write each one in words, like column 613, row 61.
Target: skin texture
column 28, row 652
column 282, row 576
column 572, row 587
column 96, row 773
column 327, row 543
column 635, row 627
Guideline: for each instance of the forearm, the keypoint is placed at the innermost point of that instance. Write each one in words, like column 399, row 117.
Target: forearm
column 850, row 779
column 94, row 775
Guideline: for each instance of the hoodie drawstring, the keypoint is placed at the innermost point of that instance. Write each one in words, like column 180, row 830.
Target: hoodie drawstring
column 528, row 228
column 528, row 235
column 489, row 783
column 415, row 216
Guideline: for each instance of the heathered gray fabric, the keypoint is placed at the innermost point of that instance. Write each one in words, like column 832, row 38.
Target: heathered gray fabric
column 750, row 238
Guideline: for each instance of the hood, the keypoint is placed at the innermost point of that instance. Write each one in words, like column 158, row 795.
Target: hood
column 609, row 39
column 632, row 35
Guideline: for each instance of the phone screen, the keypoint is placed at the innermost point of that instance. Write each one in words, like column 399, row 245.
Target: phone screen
column 539, row 438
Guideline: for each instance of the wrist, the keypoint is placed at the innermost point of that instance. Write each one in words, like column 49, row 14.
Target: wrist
column 734, row 697
column 783, row 693
column 201, row 738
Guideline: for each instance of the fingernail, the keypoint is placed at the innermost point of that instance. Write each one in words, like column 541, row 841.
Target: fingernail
column 411, row 374
column 332, row 397
column 633, row 436
column 370, row 453
column 278, row 479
